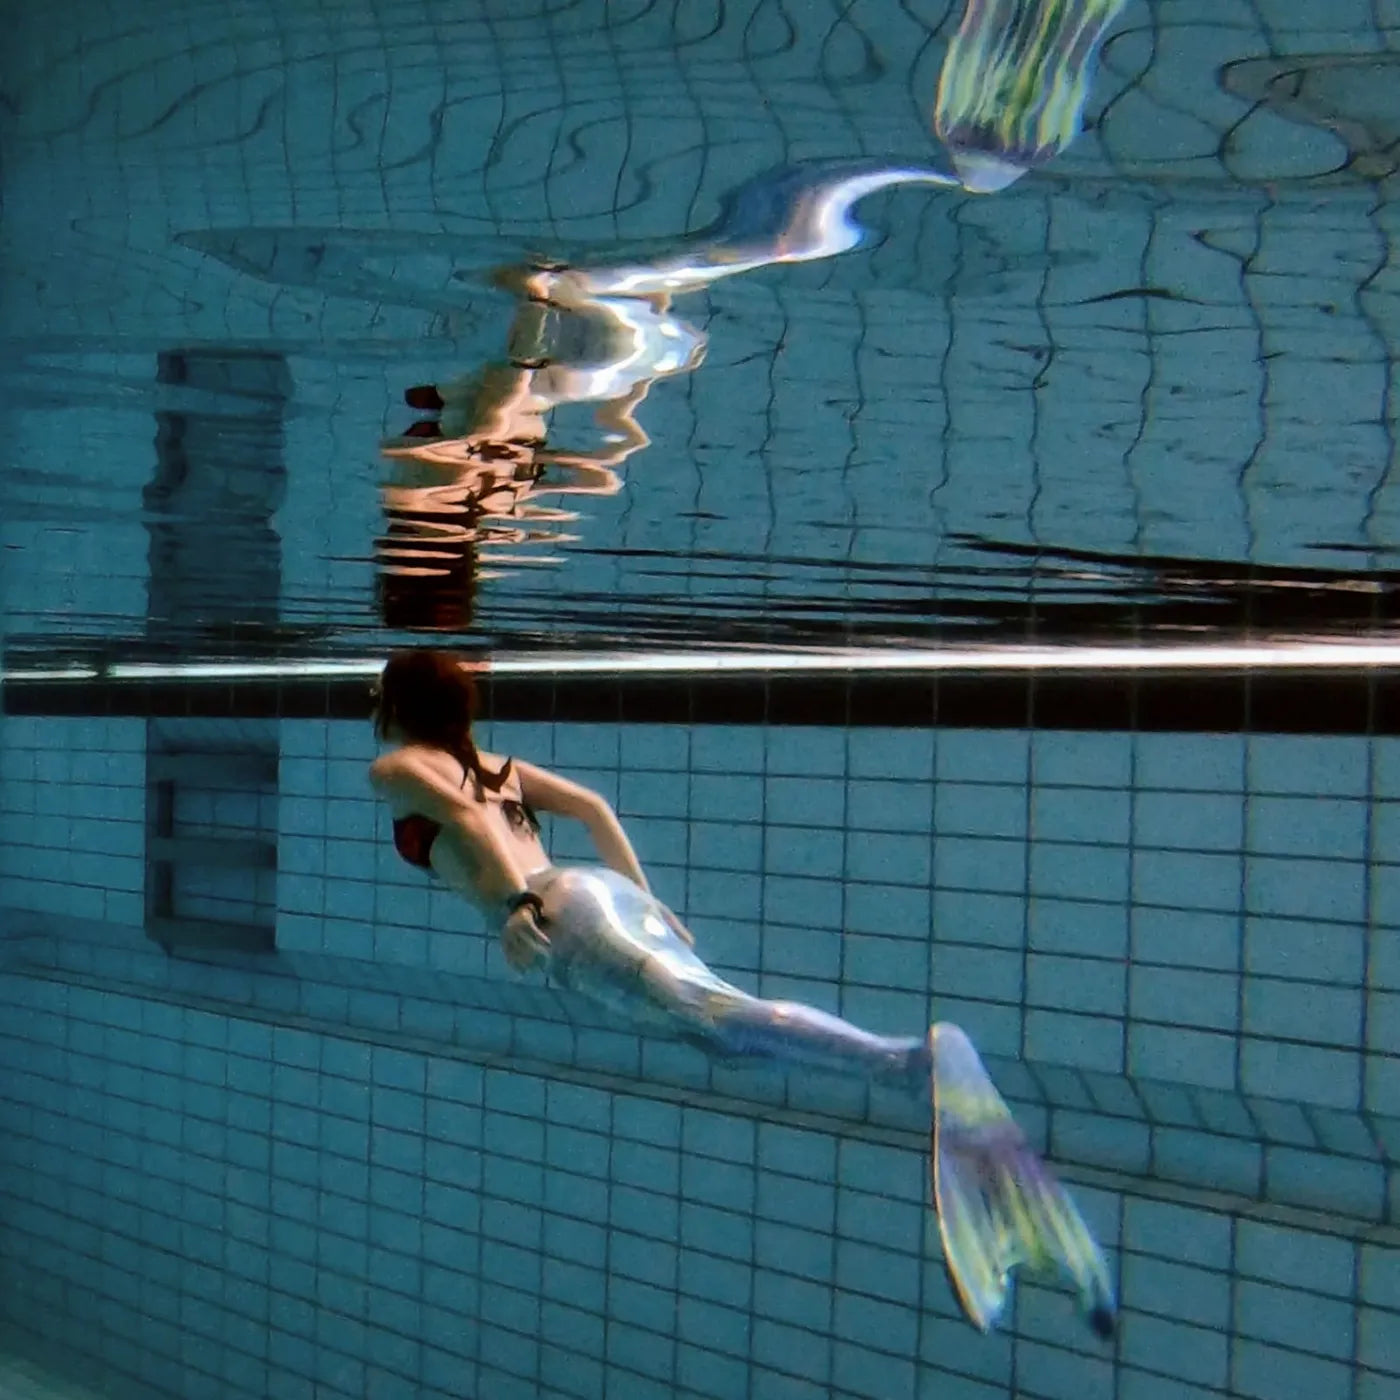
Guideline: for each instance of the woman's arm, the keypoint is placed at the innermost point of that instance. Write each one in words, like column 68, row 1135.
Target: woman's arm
column 551, row 793
column 414, row 780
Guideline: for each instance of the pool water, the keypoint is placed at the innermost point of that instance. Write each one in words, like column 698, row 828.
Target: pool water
column 964, row 555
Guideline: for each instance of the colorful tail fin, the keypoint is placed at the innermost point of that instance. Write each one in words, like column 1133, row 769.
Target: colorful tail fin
column 998, row 1204
column 1014, row 82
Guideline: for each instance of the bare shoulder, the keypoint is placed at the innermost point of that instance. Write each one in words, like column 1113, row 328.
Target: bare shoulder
column 424, row 780
column 385, row 767
column 411, row 761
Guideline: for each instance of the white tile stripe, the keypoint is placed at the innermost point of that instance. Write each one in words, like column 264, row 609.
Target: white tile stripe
column 1265, row 656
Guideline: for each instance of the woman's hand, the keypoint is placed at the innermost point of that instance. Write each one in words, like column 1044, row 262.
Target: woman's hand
column 550, row 793
column 522, row 940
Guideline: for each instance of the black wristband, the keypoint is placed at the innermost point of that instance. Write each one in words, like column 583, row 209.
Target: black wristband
column 527, row 899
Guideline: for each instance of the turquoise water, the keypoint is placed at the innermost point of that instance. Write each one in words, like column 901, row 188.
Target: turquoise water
column 275, row 1120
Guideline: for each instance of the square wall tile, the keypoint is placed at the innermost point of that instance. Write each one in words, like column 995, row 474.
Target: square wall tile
column 903, row 754
column 1186, row 938
column 1188, row 821
column 1059, row 1038
column 1061, row 871
column 980, row 755
column 1303, row 1073
column 1308, row 951
column 1286, row 763
column 1273, row 1373
column 1328, row 829
column 1072, row 759
column 1084, row 927
column 1292, row 1257
column 1173, row 996
column 1175, row 1055
column 1304, row 1011
column 1067, row 814
column 1188, row 880
column 1189, row 762
column 1092, row 985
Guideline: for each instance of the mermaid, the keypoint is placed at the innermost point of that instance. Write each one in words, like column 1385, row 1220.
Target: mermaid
column 598, row 931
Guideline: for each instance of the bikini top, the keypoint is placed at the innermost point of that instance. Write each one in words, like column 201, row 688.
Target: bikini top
column 414, row 834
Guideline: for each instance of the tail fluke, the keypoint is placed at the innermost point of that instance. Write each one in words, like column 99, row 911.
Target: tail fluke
column 999, row 1206
column 1014, row 82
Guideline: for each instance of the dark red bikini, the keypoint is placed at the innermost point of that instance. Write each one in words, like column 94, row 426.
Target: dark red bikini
column 414, row 834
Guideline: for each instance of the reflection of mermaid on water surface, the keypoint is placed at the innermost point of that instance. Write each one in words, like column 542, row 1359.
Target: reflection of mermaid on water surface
column 467, row 480
column 1014, row 82
column 1011, row 96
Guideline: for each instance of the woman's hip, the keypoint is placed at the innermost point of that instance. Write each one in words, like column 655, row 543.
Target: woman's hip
column 610, row 939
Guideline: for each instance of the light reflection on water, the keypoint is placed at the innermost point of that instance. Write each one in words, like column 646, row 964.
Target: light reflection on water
column 1080, row 404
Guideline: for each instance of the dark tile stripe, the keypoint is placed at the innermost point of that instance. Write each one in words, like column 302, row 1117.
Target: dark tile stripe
column 1277, row 701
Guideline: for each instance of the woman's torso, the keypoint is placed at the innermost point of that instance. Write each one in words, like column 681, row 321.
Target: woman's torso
column 448, row 849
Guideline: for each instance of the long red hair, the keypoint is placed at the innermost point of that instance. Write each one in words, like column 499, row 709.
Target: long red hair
column 430, row 698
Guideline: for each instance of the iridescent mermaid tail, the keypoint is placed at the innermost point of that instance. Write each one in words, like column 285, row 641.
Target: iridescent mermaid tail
column 1014, row 83
column 998, row 1204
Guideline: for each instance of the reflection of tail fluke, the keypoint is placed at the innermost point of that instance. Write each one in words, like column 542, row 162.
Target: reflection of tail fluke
column 1014, row 82
column 998, row 1204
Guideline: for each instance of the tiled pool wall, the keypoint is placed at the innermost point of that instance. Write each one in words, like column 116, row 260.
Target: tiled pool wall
column 375, row 1164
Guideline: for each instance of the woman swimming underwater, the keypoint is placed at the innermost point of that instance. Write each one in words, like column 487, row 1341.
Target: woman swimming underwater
column 469, row 817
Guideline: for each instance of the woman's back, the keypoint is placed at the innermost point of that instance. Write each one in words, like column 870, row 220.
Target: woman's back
column 450, row 848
